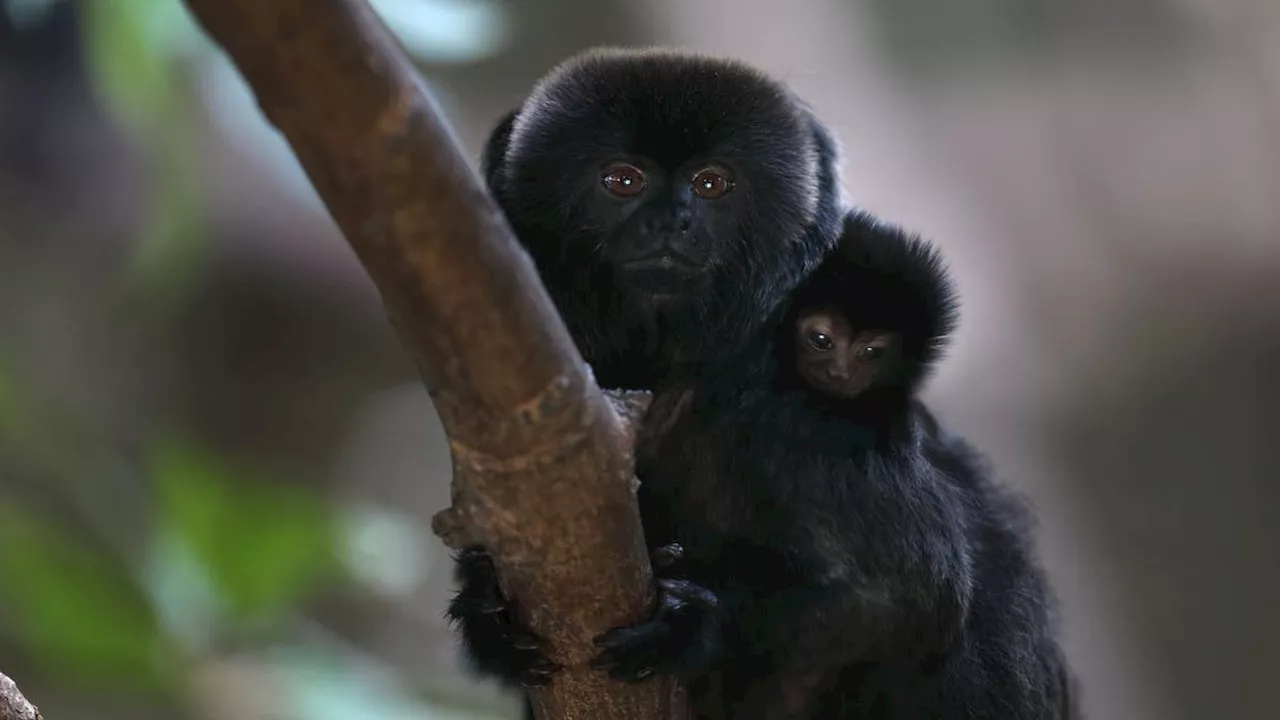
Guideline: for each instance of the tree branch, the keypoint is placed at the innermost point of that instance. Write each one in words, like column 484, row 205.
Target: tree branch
column 12, row 705
column 542, row 473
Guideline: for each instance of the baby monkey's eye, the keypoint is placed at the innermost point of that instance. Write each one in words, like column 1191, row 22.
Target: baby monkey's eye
column 870, row 352
column 820, row 341
column 623, row 180
column 709, row 184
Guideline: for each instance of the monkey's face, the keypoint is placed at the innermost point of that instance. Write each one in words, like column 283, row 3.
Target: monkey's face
column 664, row 230
column 684, row 182
column 839, row 360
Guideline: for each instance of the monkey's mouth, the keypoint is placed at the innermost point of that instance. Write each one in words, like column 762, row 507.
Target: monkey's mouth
column 663, row 276
column 662, row 262
column 836, row 390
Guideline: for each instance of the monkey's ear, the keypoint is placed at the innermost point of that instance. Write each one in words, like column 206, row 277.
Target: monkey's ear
column 495, row 149
column 831, row 202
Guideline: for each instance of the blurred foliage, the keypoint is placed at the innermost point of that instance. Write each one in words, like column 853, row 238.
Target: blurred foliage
column 242, row 548
column 134, row 49
column 138, row 53
column 259, row 541
column 82, row 619
column 230, row 555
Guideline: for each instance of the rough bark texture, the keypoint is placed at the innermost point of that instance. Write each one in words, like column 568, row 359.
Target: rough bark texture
column 12, row 705
column 541, row 461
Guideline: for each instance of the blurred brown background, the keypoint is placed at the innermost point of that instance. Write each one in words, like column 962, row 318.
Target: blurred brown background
column 216, row 464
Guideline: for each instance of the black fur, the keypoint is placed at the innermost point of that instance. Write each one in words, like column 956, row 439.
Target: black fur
column 859, row 561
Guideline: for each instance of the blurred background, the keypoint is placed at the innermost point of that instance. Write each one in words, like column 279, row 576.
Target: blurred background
column 217, row 465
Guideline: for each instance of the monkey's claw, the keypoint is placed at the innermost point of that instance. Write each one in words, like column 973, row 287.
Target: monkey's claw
column 633, row 653
column 522, row 639
column 665, row 556
column 532, row 667
column 675, row 638
column 538, row 673
column 495, row 642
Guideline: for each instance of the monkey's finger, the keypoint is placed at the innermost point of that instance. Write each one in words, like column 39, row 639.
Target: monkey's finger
column 633, row 638
column 636, row 664
column 523, row 639
column 532, row 679
column 667, row 555
column 543, row 664
column 632, row 675
column 477, row 561
column 669, row 603
column 690, row 592
column 473, row 552
column 627, row 668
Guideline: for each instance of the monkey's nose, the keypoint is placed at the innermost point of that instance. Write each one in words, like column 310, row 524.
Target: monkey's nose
column 837, row 373
column 670, row 225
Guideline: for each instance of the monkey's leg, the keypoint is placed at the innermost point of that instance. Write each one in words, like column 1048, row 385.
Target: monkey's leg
column 494, row 642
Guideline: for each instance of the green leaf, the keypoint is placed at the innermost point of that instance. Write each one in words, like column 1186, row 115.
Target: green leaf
column 135, row 79
column 136, row 48
column 261, row 543
column 81, row 614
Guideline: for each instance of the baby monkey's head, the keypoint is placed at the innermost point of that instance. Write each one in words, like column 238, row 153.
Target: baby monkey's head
column 871, row 321
column 839, row 359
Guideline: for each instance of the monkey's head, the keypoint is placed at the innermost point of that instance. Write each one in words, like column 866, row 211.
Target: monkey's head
column 874, row 318
column 671, row 201
column 838, row 359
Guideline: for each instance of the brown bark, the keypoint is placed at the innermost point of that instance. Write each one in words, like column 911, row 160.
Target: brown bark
column 12, row 705
column 542, row 474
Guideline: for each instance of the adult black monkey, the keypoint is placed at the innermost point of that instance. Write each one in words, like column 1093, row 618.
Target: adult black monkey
column 671, row 202
column 843, row 556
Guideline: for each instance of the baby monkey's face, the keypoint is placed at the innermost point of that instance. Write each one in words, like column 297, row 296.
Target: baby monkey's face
column 839, row 360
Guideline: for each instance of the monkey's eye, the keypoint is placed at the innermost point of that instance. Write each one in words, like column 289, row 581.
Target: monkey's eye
column 820, row 341
column 870, row 352
column 623, row 180
column 709, row 184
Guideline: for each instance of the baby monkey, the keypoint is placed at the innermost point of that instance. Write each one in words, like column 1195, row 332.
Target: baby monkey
column 838, row 359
